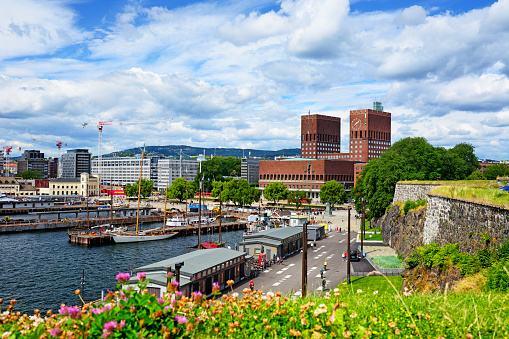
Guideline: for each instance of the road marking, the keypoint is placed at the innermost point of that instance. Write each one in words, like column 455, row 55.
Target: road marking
column 341, row 241
column 291, row 265
column 330, row 256
column 276, row 284
column 267, row 270
column 279, row 272
column 332, row 236
column 313, row 268
column 284, row 269
column 297, row 293
column 287, row 276
column 353, row 240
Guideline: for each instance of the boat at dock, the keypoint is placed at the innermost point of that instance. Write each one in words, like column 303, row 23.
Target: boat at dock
column 143, row 235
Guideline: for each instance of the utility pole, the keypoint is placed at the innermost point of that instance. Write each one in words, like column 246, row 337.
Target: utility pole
column 363, row 226
column 348, row 251
column 220, row 211
column 82, row 287
column 199, row 217
column 304, row 259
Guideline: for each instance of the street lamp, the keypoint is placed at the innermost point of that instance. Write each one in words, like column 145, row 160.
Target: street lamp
column 348, row 250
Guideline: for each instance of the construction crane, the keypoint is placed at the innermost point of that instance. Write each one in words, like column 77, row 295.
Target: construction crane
column 7, row 151
column 59, row 144
column 100, row 125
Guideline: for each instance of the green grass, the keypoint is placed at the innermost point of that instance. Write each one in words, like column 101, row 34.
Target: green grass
column 372, row 283
column 373, row 230
column 373, row 237
column 388, row 261
column 486, row 195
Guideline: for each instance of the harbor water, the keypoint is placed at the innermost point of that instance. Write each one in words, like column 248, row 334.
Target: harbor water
column 41, row 270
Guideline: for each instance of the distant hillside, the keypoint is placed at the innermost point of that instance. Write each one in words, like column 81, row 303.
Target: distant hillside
column 189, row 151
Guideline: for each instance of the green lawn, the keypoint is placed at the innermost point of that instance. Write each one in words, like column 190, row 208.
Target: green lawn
column 372, row 283
column 377, row 237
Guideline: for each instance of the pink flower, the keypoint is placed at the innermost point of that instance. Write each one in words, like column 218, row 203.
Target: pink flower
column 169, row 274
column 63, row 310
column 197, row 295
column 110, row 326
column 160, row 300
column 141, row 276
column 181, row 319
column 215, row 285
column 175, row 283
column 122, row 324
column 74, row 312
column 56, row 332
column 178, row 294
column 123, row 277
column 106, row 334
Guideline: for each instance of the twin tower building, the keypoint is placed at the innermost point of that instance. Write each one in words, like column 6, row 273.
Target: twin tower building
column 321, row 157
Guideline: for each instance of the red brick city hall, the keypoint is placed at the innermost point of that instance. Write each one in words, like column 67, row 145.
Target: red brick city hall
column 321, row 160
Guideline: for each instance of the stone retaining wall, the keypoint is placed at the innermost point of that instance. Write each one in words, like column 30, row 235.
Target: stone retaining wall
column 412, row 192
column 444, row 221
column 466, row 223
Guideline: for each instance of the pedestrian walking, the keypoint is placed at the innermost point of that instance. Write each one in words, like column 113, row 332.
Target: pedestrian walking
column 321, row 273
column 277, row 260
column 251, row 285
column 340, row 230
column 343, row 256
column 323, row 284
column 325, row 265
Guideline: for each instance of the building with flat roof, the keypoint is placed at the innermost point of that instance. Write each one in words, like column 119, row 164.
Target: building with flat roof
column 171, row 169
column 320, row 134
column 75, row 162
column 200, row 269
column 274, row 242
column 33, row 160
column 306, row 175
column 86, row 186
column 250, row 169
column 122, row 170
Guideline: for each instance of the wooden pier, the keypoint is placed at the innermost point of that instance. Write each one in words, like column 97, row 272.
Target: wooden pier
column 82, row 236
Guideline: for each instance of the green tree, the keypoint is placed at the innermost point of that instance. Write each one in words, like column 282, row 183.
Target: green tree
column 216, row 169
column 276, row 191
column 237, row 191
column 177, row 190
column 296, row 197
column 476, row 175
column 131, row 190
column 496, row 170
column 31, row 175
column 407, row 159
column 334, row 192
column 458, row 162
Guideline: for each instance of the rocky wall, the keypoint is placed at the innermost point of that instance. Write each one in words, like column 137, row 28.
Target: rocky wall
column 402, row 233
column 412, row 192
column 471, row 225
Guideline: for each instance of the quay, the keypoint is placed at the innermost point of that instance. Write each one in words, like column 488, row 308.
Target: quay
column 47, row 209
column 84, row 236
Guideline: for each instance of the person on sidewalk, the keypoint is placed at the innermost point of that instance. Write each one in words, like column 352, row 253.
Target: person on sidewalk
column 251, row 285
column 325, row 265
column 343, row 256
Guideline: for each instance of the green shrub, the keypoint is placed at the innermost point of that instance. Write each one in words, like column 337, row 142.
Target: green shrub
column 484, row 257
column 467, row 263
column 503, row 251
column 413, row 259
column 388, row 261
column 498, row 279
column 445, row 256
column 427, row 253
column 409, row 204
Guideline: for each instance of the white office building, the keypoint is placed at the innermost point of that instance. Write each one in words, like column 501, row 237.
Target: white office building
column 171, row 169
column 122, row 170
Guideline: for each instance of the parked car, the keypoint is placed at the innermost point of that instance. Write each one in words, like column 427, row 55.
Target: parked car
column 354, row 256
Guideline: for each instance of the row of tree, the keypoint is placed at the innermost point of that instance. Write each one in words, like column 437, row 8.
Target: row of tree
column 410, row 159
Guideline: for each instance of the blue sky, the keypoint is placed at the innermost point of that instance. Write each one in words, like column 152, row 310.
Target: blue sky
column 240, row 73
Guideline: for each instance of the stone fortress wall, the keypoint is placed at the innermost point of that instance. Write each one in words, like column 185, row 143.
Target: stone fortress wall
column 445, row 221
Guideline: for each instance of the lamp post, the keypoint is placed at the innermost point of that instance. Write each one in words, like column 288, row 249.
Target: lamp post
column 304, row 259
column 348, row 251
column 363, row 226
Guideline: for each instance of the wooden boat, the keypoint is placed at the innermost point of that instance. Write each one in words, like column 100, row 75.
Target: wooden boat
column 142, row 235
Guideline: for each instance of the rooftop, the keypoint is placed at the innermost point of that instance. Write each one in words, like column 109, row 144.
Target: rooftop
column 196, row 261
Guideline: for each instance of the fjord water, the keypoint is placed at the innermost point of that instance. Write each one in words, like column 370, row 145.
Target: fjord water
column 41, row 270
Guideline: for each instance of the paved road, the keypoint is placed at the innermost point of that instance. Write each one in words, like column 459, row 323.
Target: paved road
column 287, row 277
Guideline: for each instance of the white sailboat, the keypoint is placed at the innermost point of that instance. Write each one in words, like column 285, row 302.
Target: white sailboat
column 143, row 235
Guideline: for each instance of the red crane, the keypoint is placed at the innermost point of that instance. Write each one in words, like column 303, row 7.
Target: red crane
column 8, row 149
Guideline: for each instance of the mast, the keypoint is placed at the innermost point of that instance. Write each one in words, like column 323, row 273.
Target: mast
column 139, row 191
column 220, row 211
column 111, row 203
column 88, row 217
column 165, row 199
